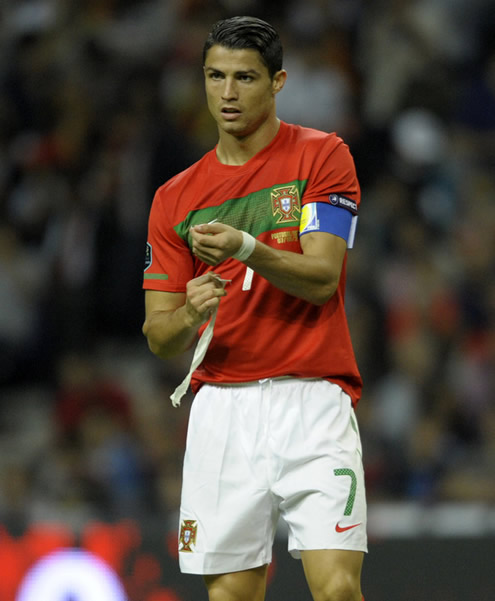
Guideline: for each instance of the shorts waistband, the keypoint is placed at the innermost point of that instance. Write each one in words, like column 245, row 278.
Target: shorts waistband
column 261, row 382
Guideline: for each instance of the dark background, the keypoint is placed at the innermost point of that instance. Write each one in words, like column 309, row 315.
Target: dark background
column 100, row 102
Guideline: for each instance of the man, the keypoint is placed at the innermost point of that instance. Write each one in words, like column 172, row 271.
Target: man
column 272, row 430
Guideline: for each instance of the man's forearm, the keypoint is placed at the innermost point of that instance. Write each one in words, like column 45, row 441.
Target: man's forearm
column 170, row 333
column 305, row 276
column 313, row 275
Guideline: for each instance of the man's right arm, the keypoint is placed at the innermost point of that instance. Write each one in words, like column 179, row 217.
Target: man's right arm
column 174, row 318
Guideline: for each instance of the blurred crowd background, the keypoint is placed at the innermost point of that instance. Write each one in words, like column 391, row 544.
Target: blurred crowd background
column 101, row 101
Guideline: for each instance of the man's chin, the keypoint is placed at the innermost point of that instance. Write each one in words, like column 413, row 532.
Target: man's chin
column 235, row 129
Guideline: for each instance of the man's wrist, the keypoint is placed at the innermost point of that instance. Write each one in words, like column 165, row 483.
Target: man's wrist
column 192, row 319
column 247, row 247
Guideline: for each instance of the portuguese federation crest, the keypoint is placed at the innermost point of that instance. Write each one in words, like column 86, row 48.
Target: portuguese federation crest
column 286, row 205
column 187, row 537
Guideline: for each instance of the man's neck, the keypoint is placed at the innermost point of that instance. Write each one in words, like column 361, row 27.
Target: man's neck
column 233, row 150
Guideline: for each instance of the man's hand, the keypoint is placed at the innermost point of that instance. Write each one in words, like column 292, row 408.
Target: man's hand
column 174, row 318
column 203, row 296
column 215, row 242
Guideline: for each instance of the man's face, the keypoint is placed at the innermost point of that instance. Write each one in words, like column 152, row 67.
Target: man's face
column 239, row 90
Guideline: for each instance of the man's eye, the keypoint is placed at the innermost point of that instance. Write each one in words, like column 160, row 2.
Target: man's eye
column 215, row 76
column 245, row 78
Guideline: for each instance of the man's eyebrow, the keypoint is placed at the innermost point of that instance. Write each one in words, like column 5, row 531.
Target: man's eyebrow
column 239, row 72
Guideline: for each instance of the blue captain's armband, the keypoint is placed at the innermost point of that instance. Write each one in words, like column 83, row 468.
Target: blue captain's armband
column 330, row 218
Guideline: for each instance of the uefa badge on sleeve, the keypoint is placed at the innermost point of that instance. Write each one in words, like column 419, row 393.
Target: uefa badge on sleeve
column 148, row 257
column 187, row 537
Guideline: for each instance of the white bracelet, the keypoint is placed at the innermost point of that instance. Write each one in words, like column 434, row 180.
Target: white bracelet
column 246, row 248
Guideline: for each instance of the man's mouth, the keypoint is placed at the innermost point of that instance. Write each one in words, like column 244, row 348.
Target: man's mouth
column 229, row 110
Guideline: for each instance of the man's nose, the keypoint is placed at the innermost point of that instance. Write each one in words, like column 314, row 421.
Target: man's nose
column 229, row 90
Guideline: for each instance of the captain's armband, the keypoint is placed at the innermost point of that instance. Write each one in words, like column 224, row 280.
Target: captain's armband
column 338, row 217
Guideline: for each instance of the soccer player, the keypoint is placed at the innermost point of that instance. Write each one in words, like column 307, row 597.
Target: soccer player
column 251, row 241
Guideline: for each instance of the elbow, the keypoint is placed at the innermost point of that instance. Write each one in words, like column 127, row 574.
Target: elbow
column 322, row 298
column 158, row 350
column 145, row 328
column 154, row 347
column 146, row 334
column 163, row 347
column 323, row 293
column 320, row 301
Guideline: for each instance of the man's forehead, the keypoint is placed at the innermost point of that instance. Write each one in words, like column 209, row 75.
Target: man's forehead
column 245, row 59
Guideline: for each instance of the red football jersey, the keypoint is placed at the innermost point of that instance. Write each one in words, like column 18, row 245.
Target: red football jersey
column 261, row 332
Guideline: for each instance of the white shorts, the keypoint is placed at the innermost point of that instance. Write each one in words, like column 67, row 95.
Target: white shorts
column 284, row 447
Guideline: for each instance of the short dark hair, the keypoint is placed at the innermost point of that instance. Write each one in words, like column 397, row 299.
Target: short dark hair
column 239, row 33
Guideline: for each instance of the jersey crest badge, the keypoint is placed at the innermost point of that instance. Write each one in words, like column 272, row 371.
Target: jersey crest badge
column 187, row 537
column 286, row 205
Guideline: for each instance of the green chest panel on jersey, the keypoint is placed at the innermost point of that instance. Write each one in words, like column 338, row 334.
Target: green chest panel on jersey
column 265, row 210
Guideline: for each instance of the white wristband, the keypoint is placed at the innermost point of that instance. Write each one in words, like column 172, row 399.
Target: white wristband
column 247, row 247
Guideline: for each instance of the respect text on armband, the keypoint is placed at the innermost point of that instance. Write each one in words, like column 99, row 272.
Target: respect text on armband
column 344, row 203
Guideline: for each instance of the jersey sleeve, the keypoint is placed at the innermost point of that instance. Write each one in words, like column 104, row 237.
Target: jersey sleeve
column 168, row 261
column 332, row 197
column 333, row 173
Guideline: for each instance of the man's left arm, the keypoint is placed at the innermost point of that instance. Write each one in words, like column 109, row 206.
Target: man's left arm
column 312, row 276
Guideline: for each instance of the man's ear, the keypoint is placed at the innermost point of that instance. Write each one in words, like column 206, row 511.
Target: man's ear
column 279, row 80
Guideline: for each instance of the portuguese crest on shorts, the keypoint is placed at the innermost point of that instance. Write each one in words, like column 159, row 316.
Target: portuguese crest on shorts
column 286, row 205
column 187, row 537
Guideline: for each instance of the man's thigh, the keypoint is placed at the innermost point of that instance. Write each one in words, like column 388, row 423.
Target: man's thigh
column 248, row 585
column 332, row 572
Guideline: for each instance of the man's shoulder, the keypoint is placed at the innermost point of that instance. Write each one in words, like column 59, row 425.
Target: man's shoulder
column 311, row 144
column 310, row 135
